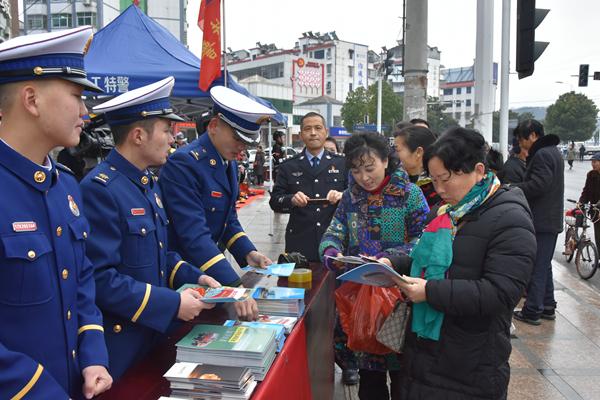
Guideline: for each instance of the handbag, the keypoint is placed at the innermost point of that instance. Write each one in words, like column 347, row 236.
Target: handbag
column 393, row 330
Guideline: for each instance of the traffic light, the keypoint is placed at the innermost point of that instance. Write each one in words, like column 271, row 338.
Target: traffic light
column 528, row 50
column 388, row 64
column 584, row 70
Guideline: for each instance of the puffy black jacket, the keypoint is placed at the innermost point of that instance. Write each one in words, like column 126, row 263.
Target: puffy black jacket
column 544, row 184
column 493, row 255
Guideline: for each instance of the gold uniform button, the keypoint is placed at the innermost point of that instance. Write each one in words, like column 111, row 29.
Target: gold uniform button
column 143, row 231
column 213, row 162
column 31, row 254
column 68, row 314
column 85, row 235
column 117, row 328
column 73, row 352
column 59, row 231
column 39, row 176
column 144, row 180
column 65, row 273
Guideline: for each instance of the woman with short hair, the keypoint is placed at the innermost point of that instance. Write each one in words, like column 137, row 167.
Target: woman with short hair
column 467, row 273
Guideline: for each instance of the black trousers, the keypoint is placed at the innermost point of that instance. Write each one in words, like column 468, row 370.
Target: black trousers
column 373, row 385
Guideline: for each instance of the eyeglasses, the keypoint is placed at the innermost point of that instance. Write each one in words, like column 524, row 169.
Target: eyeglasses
column 444, row 178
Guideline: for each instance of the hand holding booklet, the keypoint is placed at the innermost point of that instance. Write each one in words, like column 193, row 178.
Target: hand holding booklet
column 373, row 274
column 273, row 269
column 222, row 294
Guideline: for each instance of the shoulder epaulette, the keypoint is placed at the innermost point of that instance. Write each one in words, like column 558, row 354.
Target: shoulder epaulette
column 102, row 178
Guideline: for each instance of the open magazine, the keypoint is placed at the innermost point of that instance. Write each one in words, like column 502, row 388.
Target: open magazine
column 373, row 274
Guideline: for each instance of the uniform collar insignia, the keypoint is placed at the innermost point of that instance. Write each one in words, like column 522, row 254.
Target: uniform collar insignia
column 297, row 174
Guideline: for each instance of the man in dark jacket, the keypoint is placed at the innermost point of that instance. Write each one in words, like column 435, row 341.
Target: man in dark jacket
column 543, row 186
column 308, row 186
column 514, row 168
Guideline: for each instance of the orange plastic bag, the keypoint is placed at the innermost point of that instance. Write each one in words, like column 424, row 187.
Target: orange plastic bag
column 362, row 310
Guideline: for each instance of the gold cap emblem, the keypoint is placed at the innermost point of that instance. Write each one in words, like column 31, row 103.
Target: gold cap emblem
column 38, row 70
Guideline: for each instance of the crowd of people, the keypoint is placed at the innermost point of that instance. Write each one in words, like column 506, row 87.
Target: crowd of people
column 96, row 263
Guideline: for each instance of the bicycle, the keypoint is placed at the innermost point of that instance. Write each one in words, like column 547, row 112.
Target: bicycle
column 579, row 244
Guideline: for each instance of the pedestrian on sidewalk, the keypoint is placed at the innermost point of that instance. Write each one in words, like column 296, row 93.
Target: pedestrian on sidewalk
column 467, row 272
column 543, row 186
column 571, row 155
column 259, row 166
column 591, row 193
column 380, row 214
column 411, row 144
column 514, row 168
column 581, row 152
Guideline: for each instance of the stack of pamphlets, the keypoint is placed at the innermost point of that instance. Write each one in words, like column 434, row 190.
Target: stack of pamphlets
column 287, row 322
column 223, row 294
column 237, row 346
column 277, row 328
column 193, row 380
column 280, row 301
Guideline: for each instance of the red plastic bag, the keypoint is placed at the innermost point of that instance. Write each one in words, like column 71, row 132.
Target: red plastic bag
column 362, row 310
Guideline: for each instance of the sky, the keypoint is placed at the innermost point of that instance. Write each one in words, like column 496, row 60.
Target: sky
column 572, row 27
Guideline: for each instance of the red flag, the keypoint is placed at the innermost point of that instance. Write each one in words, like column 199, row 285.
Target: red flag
column 209, row 21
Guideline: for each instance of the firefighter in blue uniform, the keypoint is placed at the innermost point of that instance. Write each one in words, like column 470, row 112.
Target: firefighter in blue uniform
column 51, row 335
column 200, row 189
column 135, row 273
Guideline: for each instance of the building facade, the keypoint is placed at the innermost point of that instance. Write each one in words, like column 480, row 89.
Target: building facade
column 458, row 92
column 396, row 79
column 49, row 15
column 5, row 20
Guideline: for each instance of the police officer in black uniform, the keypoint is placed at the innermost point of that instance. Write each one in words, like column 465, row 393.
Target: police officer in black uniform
column 309, row 186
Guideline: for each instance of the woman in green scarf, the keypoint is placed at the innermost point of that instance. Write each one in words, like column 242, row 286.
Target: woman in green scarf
column 467, row 273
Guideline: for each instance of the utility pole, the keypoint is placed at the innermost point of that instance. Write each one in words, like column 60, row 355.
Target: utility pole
column 379, row 89
column 504, row 79
column 484, row 65
column 415, row 62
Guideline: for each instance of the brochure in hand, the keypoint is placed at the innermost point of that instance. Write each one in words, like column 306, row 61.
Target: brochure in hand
column 373, row 274
column 223, row 294
column 273, row 269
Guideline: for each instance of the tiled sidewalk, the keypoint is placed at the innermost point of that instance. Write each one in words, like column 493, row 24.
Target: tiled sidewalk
column 557, row 360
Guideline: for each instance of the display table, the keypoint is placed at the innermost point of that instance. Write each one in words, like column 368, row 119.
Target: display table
column 303, row 370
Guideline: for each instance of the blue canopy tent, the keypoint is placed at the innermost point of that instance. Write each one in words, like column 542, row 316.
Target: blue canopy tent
column 134, row 50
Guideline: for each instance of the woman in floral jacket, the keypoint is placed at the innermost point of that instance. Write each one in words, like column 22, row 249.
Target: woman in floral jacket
column 380, row 214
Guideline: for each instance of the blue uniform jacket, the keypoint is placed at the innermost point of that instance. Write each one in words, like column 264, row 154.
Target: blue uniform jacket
column 200, row 194
column 50, row 327
column 134, row 272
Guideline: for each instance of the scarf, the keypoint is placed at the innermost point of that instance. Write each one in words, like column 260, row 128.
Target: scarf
column 432, row 255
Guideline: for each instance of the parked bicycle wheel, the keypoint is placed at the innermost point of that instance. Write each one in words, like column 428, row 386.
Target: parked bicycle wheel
column 586, row 260
column 571, row 233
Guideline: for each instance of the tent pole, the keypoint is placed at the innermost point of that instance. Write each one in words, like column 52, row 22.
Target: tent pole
column 271, row 176
column 224, row 46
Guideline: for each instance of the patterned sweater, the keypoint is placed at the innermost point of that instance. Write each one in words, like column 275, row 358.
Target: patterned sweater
column 377, row 224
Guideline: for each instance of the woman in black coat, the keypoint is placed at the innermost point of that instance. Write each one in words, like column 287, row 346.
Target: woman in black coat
column 259, row 166
column 465, row 289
